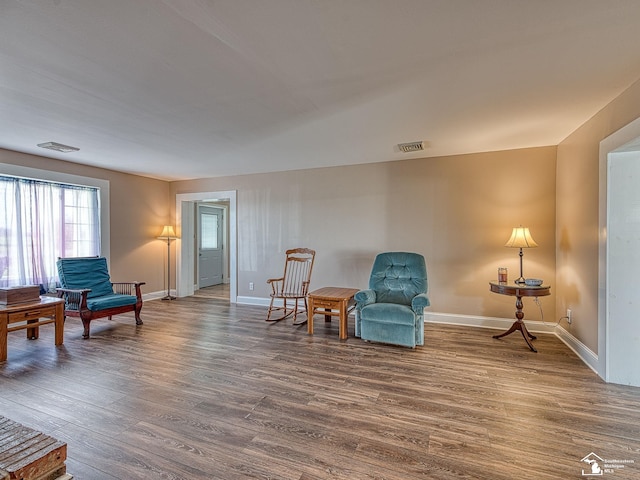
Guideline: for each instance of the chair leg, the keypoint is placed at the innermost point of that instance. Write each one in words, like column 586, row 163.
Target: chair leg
column 287, row 311
column 295, row 315
column 85, row 324
column 272, row 308
column 268, row 319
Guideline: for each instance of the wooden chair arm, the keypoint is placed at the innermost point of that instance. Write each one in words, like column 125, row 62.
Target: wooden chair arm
column 74, row 299
column 276, row 284
column 127, row 288
column 81, row 291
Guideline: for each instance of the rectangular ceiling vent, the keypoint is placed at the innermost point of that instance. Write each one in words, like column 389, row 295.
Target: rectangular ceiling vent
column 58, row 147
column 411, row 147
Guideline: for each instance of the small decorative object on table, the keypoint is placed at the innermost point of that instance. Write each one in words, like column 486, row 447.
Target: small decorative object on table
column 19, row 294
column 502, row 274
column 532, row 282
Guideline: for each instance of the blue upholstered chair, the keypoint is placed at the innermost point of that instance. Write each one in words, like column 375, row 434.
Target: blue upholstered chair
column 391, row 310
column 89, row 293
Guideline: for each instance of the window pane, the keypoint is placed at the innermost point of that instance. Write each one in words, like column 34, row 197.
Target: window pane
column 209, row 231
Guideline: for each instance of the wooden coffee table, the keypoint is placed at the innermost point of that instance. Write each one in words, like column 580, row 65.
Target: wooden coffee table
column 28, row 315
column 332, row 301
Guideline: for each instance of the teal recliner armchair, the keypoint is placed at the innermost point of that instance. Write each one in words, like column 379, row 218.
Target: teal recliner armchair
column 391, row 310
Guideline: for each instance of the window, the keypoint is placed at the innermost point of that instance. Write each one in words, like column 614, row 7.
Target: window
column 208, row 231
column 41, row 221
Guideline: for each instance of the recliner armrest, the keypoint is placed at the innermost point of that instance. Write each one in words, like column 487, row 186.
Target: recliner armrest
column 419, row 302
column 365, row 297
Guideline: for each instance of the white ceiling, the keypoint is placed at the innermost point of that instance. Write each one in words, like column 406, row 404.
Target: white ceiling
column 178, row 89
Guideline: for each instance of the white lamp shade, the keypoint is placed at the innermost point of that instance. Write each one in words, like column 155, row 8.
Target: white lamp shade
column 167, row 233
column 521, row 238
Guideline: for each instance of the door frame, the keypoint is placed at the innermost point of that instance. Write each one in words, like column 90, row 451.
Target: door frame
column 185, row 250
column 608, row 146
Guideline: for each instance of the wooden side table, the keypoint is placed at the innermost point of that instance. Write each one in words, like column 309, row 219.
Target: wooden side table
column 331, row 301
column 519, row 291
column 28, row 315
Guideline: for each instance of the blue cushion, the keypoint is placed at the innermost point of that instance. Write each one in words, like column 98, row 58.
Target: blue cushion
column 109, row 301
column 86, row 272
column 397, row 277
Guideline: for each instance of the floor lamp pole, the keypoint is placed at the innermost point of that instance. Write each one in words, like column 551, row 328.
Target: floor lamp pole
column 168, row 296
column 168, row 234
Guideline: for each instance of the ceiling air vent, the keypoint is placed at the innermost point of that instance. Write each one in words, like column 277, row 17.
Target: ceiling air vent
column 58, row 147
column 411, row 147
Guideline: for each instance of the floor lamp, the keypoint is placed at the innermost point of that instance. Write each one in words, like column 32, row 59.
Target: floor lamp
column 168, row 234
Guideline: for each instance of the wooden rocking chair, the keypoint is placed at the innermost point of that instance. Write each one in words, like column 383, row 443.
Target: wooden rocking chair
column 293, row 286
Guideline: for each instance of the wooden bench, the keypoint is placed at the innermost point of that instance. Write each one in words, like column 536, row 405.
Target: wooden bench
column 26, row 454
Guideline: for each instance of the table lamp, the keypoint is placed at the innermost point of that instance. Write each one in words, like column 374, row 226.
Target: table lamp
column 168, row 234
column 520, row 238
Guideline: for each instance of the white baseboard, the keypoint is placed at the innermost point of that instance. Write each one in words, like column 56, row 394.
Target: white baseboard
column 253, row 301
column 584, row 353
column 485, row 322
column 156, row 295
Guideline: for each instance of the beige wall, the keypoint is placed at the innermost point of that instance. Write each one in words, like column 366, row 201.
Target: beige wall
column 457, row 211
column 139, row 207
column 577, row 214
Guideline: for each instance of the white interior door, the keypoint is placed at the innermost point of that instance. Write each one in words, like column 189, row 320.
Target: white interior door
column 210, row 253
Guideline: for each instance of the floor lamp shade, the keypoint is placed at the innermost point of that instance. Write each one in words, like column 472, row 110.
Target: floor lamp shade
column 167, row 235
column 521, row 238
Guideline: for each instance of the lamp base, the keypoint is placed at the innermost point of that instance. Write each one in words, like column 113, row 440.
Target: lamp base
column 168, row 297
column 519, row 281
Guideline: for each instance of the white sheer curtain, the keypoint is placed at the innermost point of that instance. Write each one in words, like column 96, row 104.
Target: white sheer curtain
column 41, row 221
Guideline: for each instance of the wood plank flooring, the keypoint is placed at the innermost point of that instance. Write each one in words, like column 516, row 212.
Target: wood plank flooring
column 209, row 390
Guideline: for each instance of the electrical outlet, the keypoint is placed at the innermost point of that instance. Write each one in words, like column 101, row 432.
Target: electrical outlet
column 250, row 285
column 569, row 319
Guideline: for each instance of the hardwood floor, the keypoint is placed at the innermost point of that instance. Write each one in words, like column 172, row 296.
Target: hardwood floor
column 221, row 292
column 209, row 390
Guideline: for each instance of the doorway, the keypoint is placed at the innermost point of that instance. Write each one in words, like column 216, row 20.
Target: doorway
column 619, row 260
column 186, row 220
column 210, row 245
